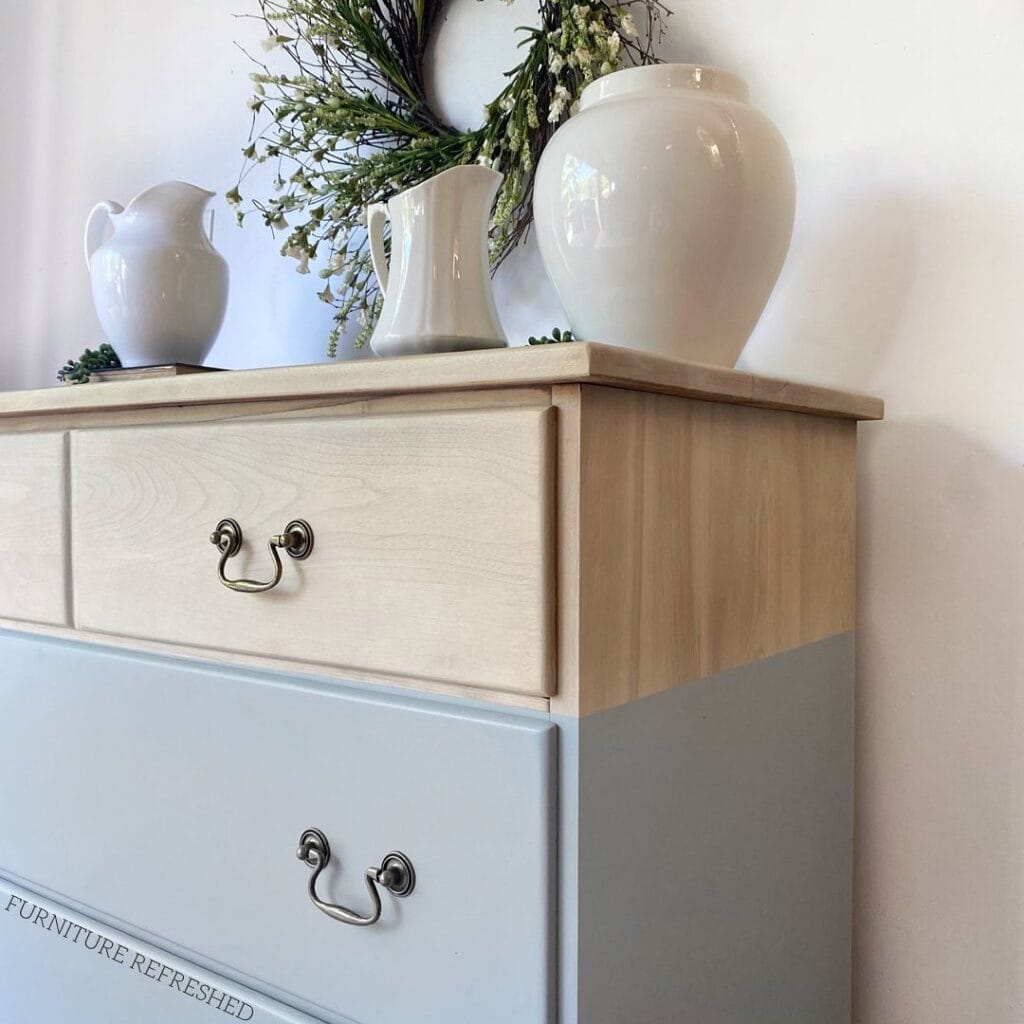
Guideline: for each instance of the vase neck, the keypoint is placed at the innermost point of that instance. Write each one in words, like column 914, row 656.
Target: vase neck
column 656, row 78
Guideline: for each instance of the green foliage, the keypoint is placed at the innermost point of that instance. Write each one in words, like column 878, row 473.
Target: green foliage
column 77, row 371
column 350, row 125
column 557, row 335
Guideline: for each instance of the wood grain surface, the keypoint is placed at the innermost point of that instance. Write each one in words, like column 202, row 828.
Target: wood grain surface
column 433, row 556
column 33, row 528
column 709, row 536
column 579, row 362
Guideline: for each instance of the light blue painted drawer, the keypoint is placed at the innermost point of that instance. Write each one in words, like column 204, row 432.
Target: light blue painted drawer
column 56, row 965
column 170, row 798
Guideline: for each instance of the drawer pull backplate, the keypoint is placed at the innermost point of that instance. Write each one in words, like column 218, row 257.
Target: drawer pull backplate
column 297, row 540
column 395, row 874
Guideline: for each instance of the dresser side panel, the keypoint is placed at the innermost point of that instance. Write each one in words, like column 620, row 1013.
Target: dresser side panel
column 715, row 836
column 710, row 536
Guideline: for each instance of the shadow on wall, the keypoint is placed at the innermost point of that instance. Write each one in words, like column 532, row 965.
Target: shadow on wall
column 940, row 737
column 844, row 289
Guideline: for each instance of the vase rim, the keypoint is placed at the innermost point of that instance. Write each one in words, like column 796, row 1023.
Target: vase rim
column 651, row 78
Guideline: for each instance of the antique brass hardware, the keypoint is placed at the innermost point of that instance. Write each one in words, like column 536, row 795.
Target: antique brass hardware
column 297, row 540
column 395, row 874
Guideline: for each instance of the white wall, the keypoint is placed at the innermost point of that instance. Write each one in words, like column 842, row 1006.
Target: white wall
column 906, row 278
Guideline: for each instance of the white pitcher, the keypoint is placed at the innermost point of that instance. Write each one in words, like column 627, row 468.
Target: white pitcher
column 159, row 287
column 437, row 290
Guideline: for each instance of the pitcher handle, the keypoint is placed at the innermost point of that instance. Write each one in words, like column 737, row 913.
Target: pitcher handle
column 94, row 225
column 376, row 215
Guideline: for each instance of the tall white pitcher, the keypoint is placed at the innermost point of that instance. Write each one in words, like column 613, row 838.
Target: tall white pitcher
column 437, row 290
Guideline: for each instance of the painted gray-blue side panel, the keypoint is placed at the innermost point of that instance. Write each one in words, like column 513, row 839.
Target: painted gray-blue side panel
column 568, row 868
column 53, row 971
column 715, row 868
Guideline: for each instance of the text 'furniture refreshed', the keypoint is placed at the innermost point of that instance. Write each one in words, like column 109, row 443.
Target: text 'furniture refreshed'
column 541, row 660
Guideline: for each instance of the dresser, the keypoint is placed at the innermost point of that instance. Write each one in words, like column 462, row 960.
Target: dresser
column 505, row 687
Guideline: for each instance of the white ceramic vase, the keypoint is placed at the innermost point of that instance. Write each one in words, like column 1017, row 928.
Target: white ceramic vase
column 437, row 288
column 664, row 210
column 159, row 287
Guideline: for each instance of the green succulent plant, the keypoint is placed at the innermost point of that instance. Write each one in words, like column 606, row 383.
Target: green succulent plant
column 77, row 371
column 557, row 335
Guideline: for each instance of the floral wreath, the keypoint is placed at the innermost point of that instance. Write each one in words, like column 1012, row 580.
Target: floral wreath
column 351, row 124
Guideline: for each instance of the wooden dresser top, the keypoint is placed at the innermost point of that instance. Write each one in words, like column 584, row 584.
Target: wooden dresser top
column 578, row 362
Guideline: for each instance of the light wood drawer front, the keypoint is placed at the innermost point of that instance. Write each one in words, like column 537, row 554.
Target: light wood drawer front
column 179, row 794
column 432, row 555
column 33, row 516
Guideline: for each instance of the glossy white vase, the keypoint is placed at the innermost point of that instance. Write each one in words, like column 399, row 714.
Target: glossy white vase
column 664, row 211
column 437, row 288
column 159, row 287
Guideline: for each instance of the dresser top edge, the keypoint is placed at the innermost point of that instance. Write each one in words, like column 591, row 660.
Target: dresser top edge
column 574, row 363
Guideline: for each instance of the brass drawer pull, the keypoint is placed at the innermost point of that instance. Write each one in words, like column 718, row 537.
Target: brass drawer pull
column 395, row 873
column 297, row 540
